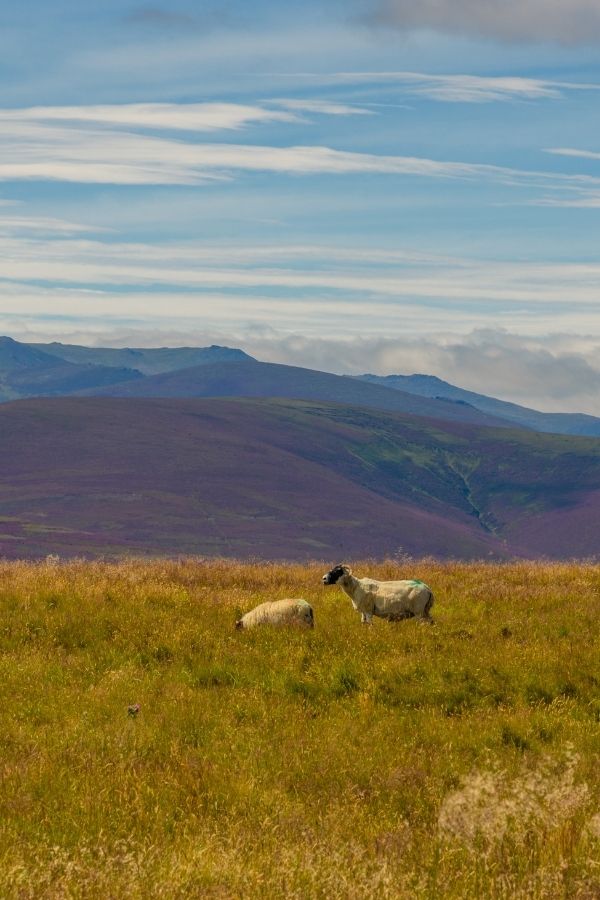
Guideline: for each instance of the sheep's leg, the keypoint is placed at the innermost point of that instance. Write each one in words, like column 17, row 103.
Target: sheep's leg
column 366, row 618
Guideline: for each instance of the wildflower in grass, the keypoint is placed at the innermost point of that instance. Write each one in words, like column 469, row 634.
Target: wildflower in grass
column 594, row 826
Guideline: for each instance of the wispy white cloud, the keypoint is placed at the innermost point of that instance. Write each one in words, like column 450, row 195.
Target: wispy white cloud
column 577, row 199
column 457, row 88
column 321, row 107
column 32, row 149
column 341, row 319
column 477, row 89
column 172, row 116
column 373, row 284
column 560, row 21
column 167, row 311
column 569, row 151
column 11, row 225
column 589, row 200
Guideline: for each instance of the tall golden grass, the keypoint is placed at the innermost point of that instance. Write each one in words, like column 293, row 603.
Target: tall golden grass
column 346, row 762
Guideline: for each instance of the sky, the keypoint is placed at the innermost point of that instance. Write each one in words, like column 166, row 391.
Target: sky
column 353, row 185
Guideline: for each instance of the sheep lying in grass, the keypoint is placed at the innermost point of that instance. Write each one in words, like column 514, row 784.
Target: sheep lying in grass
column 279, row 612
column 391, row 600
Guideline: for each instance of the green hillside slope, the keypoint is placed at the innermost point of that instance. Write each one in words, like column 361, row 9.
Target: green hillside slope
column 285, row 479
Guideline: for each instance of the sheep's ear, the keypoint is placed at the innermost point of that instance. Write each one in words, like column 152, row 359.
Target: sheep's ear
column 347, row 570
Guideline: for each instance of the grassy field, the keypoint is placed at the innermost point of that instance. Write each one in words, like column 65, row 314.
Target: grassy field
column 347, row 762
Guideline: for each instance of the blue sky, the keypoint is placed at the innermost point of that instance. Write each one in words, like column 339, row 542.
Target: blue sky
column 360, row 186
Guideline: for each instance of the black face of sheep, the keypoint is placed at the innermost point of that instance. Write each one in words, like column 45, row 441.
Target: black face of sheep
column 335, row 574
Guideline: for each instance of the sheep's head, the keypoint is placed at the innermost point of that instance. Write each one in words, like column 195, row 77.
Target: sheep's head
column 336, row 573
column 239, row 624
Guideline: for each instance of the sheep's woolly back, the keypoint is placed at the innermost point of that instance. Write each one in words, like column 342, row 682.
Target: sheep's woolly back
column 279, row 612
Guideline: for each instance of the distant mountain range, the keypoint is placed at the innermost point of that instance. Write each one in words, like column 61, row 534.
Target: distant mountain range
column 37, row 370
column 430, row 386
column 27, row 371
column 287, row 479
column 148, row 361
column 250, row 378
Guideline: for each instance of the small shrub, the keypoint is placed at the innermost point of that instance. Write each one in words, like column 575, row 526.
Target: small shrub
column 345, row 683
column 512, row 738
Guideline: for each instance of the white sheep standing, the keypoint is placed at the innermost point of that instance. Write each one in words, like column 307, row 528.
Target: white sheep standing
column 391, row 600
column 279, row 612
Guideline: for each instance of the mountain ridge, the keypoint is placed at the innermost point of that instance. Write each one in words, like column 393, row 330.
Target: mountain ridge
column 56, row 369
column 27, row 371
column 251, row 378
column 433, row 387
column 147, row 360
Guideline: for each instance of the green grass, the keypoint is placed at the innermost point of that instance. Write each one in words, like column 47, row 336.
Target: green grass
column 392, row 761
